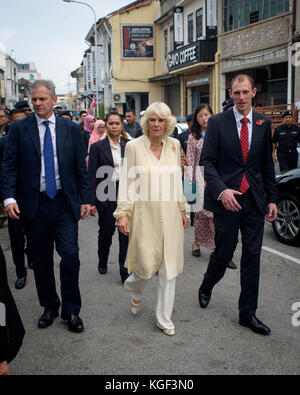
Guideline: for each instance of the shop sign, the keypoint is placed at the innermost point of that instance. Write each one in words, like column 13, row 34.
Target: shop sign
column 89, row 71
column 184, row 56
column 94, row 69
column 211, row 19
column 257, row 60
column 205, row 80
column 137, row 42
column 178, row 27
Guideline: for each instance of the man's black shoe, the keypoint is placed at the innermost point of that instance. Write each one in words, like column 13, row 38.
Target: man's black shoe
column 21, row 282
column 75, row 323
column 255, row 325
column 231, row 265
column 102, row 270
column 204, row 299
column 46, row 319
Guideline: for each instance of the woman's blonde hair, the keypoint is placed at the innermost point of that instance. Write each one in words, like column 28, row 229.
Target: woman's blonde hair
column 163, row 111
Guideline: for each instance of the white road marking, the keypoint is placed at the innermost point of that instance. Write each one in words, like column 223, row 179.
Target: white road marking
column 288, row 257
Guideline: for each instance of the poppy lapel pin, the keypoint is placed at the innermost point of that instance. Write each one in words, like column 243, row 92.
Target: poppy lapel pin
column 260, row 122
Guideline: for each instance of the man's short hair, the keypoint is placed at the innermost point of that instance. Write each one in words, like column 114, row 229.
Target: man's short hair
column 65, row 113
column 133, row 112
column 287, row 114
column 46, row 83
column 16, row 111
column 21, row 104
column 242, row 78
column 82, row 112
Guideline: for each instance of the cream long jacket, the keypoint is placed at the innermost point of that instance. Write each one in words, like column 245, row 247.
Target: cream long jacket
column 151, row 195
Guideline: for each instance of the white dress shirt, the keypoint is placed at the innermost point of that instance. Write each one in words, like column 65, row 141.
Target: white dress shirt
column 238, row 118
column 117, row 157
column 42, row 130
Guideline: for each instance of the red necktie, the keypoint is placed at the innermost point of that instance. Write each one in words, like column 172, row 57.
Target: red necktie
column 245, row 150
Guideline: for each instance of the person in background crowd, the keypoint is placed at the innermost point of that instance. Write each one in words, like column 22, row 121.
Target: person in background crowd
column 16, row 228
column 17, row 114
column 66, row 115
column 82, row 115
column 4, row 128
column 286, row 137
column 11, row 331
column 131, row 126
column 99, row 133
column 241, row 192
column 24, row 106
column 184, row 137
column 203, row 221
column 109, row 153
column 156, row 228
column 45, row 182
column 57, row 110
column 4, row 122
column 228, row 105
column 89, row 124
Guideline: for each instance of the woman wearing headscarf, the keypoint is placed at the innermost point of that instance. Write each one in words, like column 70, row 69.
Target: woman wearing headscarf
column 89, row 124
column 99, row 133
column 151, row 210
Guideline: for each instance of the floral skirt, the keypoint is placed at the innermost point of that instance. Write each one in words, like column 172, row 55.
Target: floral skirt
column 204, row 229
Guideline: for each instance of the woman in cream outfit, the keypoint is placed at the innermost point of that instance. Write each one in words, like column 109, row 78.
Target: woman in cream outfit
column 151, row 209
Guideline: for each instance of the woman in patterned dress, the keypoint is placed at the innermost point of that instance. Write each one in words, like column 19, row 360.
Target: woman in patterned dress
column 203, row 222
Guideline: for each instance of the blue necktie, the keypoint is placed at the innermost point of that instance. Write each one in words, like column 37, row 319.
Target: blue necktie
column 51, row 189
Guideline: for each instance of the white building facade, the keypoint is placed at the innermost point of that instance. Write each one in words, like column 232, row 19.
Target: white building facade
column 11, row 82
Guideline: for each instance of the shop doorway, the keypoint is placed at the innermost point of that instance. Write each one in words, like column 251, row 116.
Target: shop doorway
column 200, row 95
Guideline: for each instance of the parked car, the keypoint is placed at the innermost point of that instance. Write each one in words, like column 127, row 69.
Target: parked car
column 287, row 224
column 182, row 127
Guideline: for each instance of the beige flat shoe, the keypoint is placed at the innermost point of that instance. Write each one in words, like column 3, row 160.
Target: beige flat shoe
column 168, row 332
column 135, row 307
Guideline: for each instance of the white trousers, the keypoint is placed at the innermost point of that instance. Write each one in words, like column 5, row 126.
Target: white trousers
column 166, row 295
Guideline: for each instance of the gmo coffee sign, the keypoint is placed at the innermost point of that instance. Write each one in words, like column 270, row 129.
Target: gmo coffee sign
column 185, row 56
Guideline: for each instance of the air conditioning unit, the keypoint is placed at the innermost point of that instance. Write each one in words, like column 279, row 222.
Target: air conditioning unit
column 119, row 98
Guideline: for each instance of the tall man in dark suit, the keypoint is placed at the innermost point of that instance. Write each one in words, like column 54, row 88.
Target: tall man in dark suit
column 45, row 182
column 241, row 191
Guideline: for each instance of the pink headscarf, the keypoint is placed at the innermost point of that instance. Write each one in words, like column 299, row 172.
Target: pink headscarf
column 87, row 121
column 96, row 136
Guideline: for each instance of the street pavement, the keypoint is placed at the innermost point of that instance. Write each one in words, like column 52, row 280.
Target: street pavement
column 207, row 341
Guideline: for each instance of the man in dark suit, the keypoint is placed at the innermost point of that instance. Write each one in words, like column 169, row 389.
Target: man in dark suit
column 45, row 183
column 241, row 191
column 15, row 227
column 105, row 162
